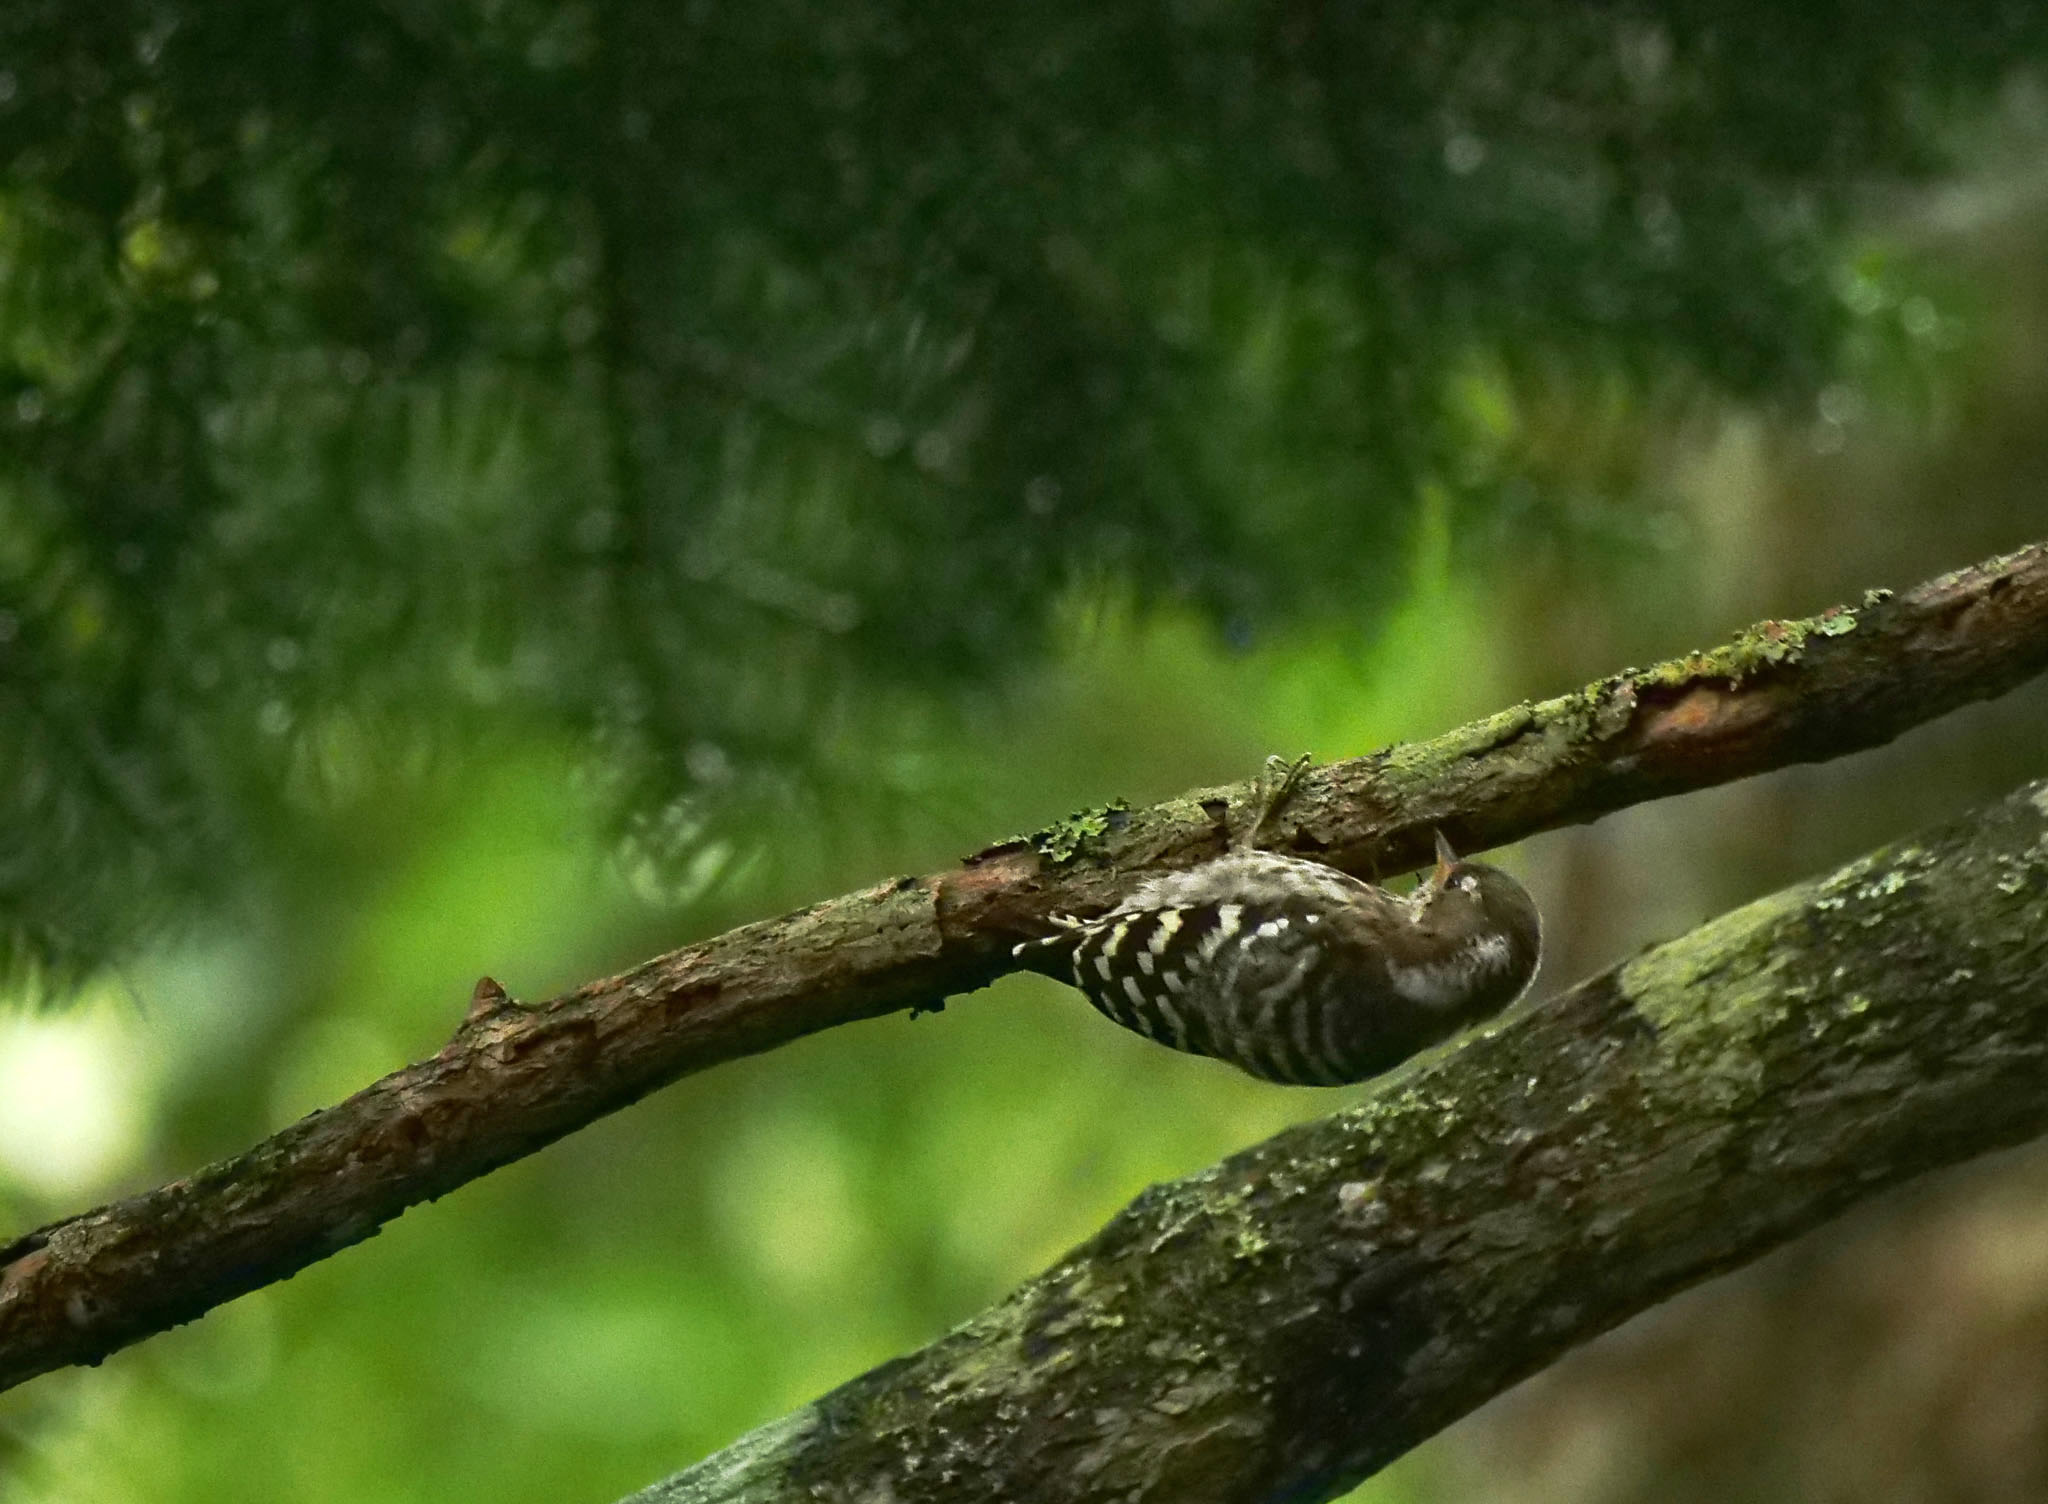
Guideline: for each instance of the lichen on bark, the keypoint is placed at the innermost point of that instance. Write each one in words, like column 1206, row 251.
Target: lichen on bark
column 1287, row 1321
column 512, row 1079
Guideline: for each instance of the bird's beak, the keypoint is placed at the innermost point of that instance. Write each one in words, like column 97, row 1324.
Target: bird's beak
column 1445, row 860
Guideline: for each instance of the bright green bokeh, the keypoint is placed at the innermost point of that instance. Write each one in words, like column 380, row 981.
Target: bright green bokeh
column 593, row 1317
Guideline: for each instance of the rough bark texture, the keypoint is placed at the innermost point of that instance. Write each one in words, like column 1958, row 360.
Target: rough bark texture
column 514, row 1078
column 1285, row 1323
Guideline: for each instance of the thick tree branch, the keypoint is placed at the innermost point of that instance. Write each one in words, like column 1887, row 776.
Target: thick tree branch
column 1290, row 1320
column 514, row 1078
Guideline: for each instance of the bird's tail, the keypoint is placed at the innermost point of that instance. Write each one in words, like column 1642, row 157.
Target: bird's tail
column 1052, row 955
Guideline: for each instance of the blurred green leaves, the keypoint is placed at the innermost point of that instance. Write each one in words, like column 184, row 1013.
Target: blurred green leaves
column 467, row 470
column 596, row 1315
column 676, row 385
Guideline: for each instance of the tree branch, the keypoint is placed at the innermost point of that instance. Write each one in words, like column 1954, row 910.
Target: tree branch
column 1290, row 1320
column 515, row 1078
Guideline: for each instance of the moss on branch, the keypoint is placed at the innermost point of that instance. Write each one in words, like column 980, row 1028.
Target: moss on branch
column 510, row 1080
column 1286, row 1322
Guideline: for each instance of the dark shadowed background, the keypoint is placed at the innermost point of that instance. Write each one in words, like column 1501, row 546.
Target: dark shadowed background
column 509, row 486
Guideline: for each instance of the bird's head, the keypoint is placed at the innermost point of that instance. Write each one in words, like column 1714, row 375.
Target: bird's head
column 1462, row 899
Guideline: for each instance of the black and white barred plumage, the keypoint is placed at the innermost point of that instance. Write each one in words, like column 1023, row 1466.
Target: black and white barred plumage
column 1297, row 972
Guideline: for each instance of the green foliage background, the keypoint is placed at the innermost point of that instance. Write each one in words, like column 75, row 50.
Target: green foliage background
column 505, row 487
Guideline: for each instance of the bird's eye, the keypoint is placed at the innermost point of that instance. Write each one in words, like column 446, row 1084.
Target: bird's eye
column 1466, row 883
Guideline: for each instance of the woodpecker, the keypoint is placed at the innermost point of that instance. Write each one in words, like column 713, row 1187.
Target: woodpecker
column 1296, row 972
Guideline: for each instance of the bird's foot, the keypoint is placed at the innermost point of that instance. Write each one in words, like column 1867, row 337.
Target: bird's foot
column 1276, row 785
